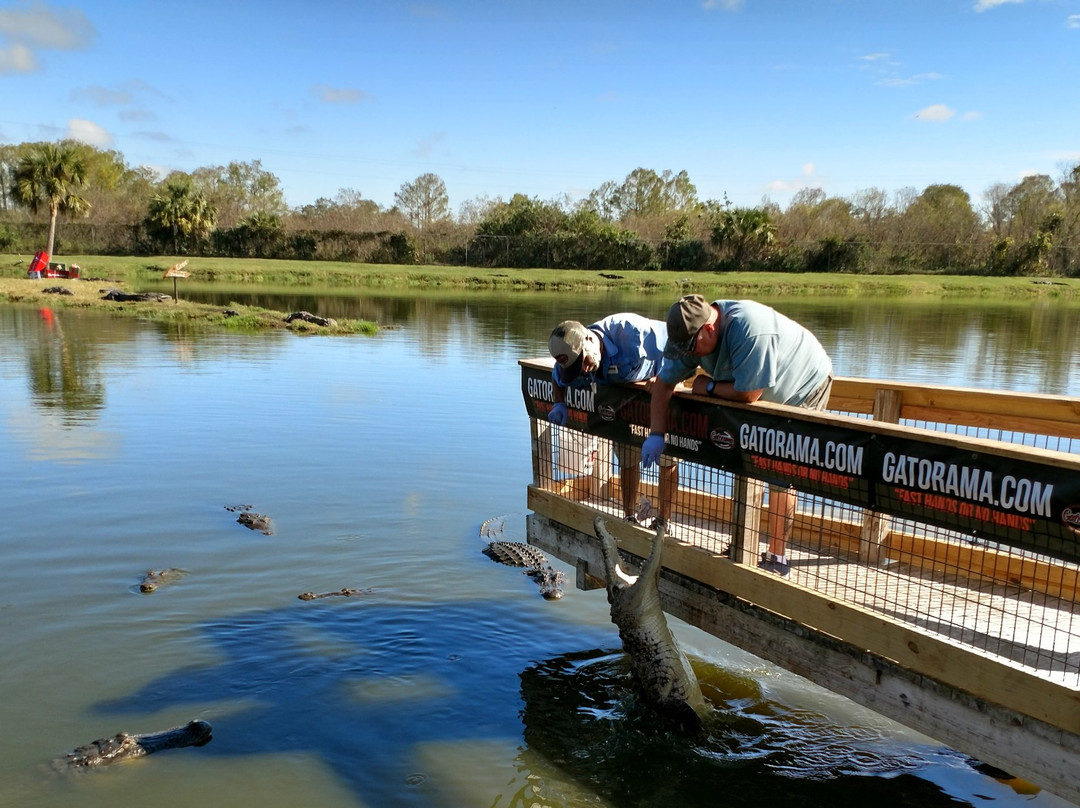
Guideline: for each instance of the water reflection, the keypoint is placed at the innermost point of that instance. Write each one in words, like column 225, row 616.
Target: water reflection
column 1022, row 346
column 62, row 370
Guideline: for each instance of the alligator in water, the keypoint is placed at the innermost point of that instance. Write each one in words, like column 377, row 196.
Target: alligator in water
column 662, row 672
column 249, row 519
column 537, row 566
column 345, row 593
column 124, row 746
column 156, row 578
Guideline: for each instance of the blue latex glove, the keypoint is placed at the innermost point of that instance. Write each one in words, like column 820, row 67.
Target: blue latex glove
column 558, row 414
column 651, row 450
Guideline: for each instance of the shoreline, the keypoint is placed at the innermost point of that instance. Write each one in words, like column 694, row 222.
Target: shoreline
column 140, row 274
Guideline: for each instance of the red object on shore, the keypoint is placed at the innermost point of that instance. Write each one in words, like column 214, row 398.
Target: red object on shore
column 38, row 265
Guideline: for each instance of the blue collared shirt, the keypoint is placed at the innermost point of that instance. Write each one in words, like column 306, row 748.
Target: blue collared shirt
column 633, row 347
column 758, row 349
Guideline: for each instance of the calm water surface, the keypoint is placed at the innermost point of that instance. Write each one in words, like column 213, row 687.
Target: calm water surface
column 449, row 681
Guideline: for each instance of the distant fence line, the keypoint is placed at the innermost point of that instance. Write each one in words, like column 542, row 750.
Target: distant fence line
column 554, row 251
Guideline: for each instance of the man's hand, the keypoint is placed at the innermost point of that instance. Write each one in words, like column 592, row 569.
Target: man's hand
column 558, row 414
column 651, row 450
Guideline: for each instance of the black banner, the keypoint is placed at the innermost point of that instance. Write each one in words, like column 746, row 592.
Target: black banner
column 969, row 490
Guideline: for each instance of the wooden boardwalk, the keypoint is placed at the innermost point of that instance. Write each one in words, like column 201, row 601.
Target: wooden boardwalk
column 934, row 561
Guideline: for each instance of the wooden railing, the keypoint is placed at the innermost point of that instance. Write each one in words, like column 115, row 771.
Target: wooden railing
column 935, row 580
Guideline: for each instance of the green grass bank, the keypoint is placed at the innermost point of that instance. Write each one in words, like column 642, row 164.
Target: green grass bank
column 140, row 273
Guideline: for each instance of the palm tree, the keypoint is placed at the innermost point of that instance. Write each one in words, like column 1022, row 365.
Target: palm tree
column 180, row 213
column 746, row 232
column 50, row 175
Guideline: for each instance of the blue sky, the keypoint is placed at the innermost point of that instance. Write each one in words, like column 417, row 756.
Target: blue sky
column 753, row 98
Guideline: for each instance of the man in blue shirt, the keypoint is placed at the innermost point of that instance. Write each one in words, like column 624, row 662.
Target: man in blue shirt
column 617, row 349
column 749, row 352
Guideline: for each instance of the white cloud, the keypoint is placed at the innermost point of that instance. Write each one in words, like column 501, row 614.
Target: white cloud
column 40, row 27
column 936, row 112
column 44, row 26
column 88, row 132
column 985, row 5
column 971, row 116
column 910, row 81
column 725, row 5
column 807, row 180
column 1073, row 21
column 17, row 59
column 103, row 96
column 339, row 95
column 425, row 146
column 137, row 115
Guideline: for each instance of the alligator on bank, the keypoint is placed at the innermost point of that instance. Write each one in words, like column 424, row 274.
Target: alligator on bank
column 308, row 317
column 125, row 747
column 661, row 671
column 142, row 297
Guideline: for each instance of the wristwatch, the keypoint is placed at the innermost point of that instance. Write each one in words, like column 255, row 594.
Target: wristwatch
column 710, row 387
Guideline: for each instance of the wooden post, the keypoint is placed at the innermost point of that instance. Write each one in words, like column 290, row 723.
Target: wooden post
column 174, row 272
column 746, row 498
column 875, row 529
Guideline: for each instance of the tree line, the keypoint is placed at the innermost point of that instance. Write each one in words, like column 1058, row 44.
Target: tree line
column 648, row 220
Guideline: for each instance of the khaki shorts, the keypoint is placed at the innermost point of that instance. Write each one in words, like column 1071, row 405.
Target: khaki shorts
column 819, row 399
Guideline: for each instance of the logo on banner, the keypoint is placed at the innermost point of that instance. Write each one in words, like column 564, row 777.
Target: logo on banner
column 607, row 412
column 722, row 439
column 1071, row 517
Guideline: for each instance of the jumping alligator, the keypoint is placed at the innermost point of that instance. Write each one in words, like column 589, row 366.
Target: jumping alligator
column 125, row 747
column 662, row 672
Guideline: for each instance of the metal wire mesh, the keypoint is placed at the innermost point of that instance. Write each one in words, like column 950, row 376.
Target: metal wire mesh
column 1013, row 604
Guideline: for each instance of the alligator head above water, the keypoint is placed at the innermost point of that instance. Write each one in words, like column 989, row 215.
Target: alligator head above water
column 661, row 670
column 124, row 746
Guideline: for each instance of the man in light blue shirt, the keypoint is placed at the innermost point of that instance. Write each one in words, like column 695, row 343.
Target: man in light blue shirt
column 620, row 348
column 750, row 352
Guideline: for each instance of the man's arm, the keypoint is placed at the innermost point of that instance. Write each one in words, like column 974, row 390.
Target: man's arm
column 559, row 413
column 725, row 390
column 658, row 406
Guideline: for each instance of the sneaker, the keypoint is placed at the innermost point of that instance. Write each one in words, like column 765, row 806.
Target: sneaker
column 632, row 519
column 771, row 563
column 726, row 552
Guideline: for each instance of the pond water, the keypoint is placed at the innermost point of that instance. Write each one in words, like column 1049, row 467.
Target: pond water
column 447, row 680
